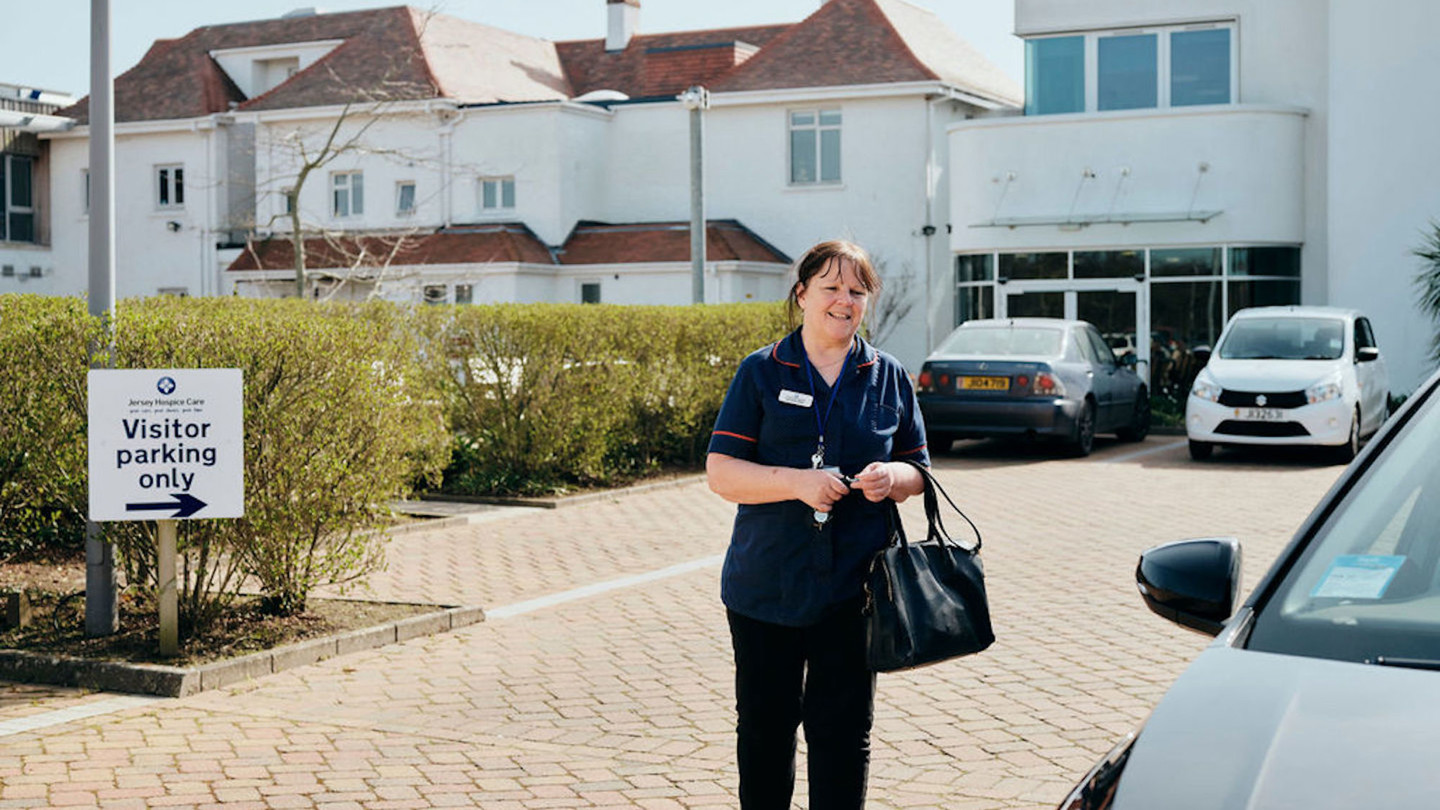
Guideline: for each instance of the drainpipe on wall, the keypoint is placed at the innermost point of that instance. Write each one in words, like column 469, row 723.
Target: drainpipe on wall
column 449, row 118
column 928, row 229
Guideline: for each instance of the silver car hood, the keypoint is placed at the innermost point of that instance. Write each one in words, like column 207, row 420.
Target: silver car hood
column 1261, row 731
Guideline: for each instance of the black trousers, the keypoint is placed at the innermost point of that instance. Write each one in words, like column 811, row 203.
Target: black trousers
column 816, row 675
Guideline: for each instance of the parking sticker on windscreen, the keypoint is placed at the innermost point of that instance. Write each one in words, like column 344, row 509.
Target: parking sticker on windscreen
column 1358, row 576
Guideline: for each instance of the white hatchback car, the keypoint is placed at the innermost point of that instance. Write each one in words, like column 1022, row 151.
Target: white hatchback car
column 1290, row 375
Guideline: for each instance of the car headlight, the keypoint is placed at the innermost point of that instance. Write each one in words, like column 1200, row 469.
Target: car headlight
column 1323, row 392
column 1206, row 389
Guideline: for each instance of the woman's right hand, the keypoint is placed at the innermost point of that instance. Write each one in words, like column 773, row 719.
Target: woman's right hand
column 819, row 489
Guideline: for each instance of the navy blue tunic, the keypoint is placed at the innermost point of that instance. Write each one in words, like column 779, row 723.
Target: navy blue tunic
column 780, row 568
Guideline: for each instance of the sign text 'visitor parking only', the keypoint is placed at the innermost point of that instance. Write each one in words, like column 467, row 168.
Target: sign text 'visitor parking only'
column 166, row 444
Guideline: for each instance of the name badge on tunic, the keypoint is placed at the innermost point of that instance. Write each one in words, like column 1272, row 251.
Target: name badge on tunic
column 796, row 398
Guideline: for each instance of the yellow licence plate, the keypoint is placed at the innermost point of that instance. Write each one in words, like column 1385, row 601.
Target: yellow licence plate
column 985, row 383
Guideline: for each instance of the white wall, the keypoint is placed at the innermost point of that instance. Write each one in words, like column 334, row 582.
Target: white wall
column 523, row 141
column 1142, row 162
column 1384, row 171
column 387, row 150
column 150, row 252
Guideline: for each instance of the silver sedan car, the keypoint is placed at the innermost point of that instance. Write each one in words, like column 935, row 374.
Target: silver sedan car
column 1322, row 690
column 1030, row 378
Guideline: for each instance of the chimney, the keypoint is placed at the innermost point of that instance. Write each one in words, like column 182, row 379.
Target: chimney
column 624, row 18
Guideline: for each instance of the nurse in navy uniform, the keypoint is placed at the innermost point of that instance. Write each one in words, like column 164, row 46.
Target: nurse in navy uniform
column 809, row 442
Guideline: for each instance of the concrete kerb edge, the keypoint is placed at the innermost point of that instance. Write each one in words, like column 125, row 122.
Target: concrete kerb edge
column 167, row 681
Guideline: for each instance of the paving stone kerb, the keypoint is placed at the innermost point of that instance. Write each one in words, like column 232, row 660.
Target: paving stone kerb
column 167, row 681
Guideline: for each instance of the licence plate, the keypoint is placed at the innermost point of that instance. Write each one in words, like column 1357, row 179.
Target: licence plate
column 985, row 383
column 1260, row 414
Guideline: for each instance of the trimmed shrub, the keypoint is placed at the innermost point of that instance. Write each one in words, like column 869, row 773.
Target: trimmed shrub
column 44, row 354
column 546, row 397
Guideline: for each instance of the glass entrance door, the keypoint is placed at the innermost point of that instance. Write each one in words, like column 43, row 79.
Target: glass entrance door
column 1113, row 306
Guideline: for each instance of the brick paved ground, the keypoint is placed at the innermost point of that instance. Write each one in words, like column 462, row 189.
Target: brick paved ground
column 623, row 698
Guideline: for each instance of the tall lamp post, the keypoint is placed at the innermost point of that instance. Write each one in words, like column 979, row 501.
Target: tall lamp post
column 101, row 614
column 697, row 99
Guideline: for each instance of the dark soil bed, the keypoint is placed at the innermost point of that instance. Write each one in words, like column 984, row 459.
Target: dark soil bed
column 57, row 623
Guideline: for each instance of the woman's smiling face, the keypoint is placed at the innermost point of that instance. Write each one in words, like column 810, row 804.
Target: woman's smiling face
column 834, row 302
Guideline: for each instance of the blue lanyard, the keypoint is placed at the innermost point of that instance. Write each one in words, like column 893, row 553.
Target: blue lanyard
column 818, row 460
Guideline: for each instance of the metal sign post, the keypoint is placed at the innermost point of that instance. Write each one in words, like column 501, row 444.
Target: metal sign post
column 166, row 445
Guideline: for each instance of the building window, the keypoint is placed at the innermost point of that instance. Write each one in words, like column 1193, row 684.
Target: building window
column 85, row 188
column 17, row 198
column 1054, row 75
column 814, row 147
column 434, row 293
column 176, row 292
column 1176, row 66
column 497, row 194
column 7, row 271
column 347, row 194
column 1200, row 67
column 287, row 200
column 1127, row 73
column 170, row 186
column 464, row 294
column 590, row 292
column 405, row 198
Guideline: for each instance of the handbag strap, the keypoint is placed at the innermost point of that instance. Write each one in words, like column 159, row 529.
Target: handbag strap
column 936, row 530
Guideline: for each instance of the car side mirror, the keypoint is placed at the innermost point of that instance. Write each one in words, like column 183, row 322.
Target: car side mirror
column 1193, row 583
column 1129, row 360
column 1365, row 354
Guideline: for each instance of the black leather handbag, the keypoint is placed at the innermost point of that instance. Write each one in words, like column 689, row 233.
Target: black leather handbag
column 925, row 602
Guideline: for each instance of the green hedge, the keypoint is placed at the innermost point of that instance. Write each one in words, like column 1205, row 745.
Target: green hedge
column 546, row 397
column 347, row 406
column 44, row 351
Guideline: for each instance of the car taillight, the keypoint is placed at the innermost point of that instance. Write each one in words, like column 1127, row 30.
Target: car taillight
column 1048, row 385
column 944, row 382
column 1022, row 381
column 926, row 381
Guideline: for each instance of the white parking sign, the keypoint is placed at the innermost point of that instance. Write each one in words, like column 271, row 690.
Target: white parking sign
column 166, row 444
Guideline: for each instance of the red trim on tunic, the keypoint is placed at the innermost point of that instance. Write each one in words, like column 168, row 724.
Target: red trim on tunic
column 773, row 356
column 736, row 435
column 908, row 452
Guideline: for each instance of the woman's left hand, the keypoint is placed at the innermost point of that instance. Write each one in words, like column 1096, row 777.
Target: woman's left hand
column 887, row 479
column 875, row 481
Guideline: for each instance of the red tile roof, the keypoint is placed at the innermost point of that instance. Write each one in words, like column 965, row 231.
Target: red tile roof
column 402, row 53
column 725, row 240
column 849, row 42
column 661, row 64
column 480, row 244
column 397, row 53
column 588, row 243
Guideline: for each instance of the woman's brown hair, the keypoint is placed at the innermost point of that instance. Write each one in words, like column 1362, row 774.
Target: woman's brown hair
column 814, row 262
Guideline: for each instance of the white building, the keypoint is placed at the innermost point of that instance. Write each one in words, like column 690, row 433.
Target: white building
column 25, row 260
column 1180, row 159
column 481, row 165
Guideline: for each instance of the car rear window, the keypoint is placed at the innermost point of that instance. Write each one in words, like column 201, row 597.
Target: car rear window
column 1003, row 341
column 1285, row 339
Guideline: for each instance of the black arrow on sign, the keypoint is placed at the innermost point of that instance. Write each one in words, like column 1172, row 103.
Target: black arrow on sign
column 185, row 505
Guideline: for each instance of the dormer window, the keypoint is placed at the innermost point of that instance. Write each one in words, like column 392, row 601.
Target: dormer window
column 1141, row 68
column 271, row 73
column 258, row 69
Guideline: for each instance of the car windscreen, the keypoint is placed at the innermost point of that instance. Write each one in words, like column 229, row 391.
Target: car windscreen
column 1367, row 584
column 1284, row 338
column 1003, row 341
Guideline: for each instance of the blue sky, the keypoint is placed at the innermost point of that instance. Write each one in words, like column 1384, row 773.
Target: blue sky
column 46, row 44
